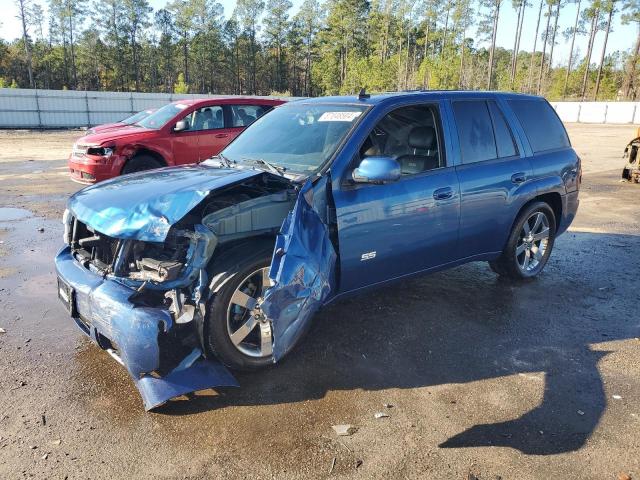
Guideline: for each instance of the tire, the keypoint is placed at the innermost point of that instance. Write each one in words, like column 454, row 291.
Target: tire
column 140, row 163
column 529, row 245
column 244, row 268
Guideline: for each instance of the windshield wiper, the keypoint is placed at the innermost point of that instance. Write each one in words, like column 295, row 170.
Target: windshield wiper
column 272, row 167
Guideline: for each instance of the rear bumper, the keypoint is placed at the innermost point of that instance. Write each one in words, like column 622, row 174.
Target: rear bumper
column 144, row 339
column 570, row 203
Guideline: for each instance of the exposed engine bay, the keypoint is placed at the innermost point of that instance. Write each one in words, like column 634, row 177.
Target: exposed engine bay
column 172, row 274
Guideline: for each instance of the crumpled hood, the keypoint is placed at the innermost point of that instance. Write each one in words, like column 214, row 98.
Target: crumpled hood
column 144, row 205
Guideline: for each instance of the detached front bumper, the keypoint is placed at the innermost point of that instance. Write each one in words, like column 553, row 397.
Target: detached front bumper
column 145, row 340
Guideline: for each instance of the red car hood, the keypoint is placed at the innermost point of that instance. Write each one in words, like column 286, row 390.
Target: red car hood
column 116, row 135
column 107, row 126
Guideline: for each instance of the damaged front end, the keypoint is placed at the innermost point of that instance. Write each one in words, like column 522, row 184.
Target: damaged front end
column 135, row 275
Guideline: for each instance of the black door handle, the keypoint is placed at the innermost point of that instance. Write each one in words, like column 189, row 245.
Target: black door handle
column 519, row 177
column 443, row 193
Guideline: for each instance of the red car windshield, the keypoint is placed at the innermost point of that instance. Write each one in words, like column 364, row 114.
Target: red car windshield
column 136, row 117
column 160, row 117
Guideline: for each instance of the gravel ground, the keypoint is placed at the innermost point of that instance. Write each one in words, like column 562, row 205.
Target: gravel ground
column 533, row 381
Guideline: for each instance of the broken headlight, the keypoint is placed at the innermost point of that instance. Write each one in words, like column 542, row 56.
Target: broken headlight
column 100, row 151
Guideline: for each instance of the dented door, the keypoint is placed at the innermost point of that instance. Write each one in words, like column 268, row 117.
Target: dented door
column 302, row 268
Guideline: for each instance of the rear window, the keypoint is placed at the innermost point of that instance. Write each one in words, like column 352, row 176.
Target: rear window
column 541, row 124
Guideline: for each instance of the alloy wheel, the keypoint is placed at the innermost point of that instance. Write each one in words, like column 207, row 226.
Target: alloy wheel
column 533, row 242
column 249, row 329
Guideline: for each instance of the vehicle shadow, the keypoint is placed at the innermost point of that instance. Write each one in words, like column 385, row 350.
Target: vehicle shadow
column 467, row 325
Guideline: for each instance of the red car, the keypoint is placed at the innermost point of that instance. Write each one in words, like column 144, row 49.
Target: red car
column 135, row 118
column 182, row 132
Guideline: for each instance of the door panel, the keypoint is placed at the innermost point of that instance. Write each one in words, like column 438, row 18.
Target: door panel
column 212, row 135
column 489, row 203
column 386, row 231
column 491, row 175
column 184, row 144
column 185, row 147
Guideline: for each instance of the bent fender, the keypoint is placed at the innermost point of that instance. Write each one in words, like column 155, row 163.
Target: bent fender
column 302, row 268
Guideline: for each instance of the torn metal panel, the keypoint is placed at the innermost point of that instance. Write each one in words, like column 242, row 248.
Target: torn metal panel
column 194, row 373
column 128, row 208
column 303, row 269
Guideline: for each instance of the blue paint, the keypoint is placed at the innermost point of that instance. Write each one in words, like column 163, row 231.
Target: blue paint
column 193, row 374
column 377, row 170
column 144, row 205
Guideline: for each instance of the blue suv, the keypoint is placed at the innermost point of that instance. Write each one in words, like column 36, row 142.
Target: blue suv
column 182, row 272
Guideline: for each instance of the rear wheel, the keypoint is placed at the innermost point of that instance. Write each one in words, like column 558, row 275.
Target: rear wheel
column 529, row 245
column 238, row 333
column 140, row 163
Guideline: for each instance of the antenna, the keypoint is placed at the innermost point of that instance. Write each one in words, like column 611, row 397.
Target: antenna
column 363, row 95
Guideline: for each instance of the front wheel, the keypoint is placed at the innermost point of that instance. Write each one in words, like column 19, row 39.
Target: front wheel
column 529, row 245
column 238, row 334
column 140, row 163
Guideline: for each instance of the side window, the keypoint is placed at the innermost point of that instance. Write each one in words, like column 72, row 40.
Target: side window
column 245, row 115
column 206, row 118
column 542, row 126
column 504, row 138
column 411, row 136
column 473, row 121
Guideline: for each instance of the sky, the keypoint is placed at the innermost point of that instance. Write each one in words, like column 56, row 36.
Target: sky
column 622, row 37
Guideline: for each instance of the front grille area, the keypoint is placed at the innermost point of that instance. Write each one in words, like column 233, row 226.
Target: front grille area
column 136, row 260
column 91, row 246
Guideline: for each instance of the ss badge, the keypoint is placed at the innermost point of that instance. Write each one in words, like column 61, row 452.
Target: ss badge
column 367, row 256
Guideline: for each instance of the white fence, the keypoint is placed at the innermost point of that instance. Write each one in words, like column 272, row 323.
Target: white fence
column 25, row 108
column 598, row 112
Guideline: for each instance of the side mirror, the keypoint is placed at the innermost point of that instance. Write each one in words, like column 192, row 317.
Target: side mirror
column 181, row 125
column 376, row 169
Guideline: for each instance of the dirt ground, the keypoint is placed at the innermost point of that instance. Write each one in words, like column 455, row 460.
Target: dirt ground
column 487, row 379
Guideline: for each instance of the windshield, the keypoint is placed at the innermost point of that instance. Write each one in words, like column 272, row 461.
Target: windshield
column 160, row 117
column 136, row 117
column 298, row 137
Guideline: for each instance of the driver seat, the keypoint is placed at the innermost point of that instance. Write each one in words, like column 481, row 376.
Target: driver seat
column 422, row 140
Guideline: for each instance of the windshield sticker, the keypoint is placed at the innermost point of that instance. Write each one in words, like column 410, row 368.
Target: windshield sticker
column 339, row 116
column 181, row 106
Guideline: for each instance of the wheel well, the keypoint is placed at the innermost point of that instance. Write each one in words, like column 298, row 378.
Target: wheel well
column 554, row 201
column 151, row 153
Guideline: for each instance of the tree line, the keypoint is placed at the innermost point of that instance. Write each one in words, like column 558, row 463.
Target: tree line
column 326, row 47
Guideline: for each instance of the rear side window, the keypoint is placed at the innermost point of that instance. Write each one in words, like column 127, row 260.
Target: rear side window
column 482, row 131
column 504, row 138
column 474, row 131
column 541, row 124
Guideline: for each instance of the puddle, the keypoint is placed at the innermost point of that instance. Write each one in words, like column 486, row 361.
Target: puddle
column 8, row 214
